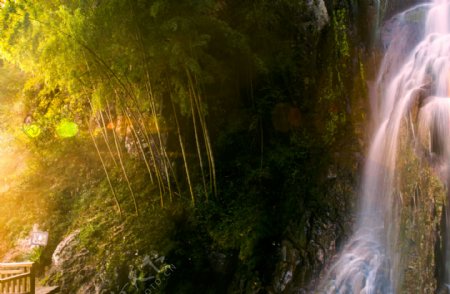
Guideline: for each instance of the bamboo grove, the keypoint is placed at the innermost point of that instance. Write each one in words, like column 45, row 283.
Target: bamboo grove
column 132, row 74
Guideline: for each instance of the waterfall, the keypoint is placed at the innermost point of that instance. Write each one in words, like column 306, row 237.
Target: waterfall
column 413, row 89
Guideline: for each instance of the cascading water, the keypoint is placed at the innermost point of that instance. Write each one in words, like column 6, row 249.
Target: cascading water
column 413, row 89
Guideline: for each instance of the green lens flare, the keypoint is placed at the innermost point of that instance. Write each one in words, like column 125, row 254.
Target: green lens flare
column 66, row 129
column 32, row 130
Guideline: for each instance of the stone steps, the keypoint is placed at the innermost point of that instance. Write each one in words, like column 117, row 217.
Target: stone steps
column 47, row 290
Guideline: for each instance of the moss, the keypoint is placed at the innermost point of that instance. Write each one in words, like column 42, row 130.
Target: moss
column 271, row 183
column 422, row 197
column 340, row 28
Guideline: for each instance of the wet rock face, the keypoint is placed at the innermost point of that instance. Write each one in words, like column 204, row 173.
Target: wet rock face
column 308, row 247
column 309, row 244
column 313, row 16
column 62, row 252
column 391, row 7
column 71, row 269
column 220, row 262
column 421, row 201
column 290, row 258
column 320, row 13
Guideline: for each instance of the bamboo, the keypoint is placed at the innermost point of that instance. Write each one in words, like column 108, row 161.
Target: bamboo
column 122, row 166
column 200, row 159
column 204, row 127
column 157, row 171
column 151, row 97
column 90, row 103
column 188, row 177
column 106, row 173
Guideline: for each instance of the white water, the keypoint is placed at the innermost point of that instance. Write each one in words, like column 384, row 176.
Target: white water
column 415, row 74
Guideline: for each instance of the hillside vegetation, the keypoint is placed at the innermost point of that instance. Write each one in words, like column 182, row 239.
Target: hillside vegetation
column 224, row 136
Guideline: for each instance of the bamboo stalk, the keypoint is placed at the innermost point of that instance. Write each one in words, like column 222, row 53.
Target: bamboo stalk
column 151, row 97
column 120, row 160
column 204, row 128
column 200, row 157
column 122, row 166
column 188, row 177
column 157, row 172
column 92, row 108
column 106, row 172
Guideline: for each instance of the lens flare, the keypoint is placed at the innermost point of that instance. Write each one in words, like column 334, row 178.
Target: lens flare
column 66, row 129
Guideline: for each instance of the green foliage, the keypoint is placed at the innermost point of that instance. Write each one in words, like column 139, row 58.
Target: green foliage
column 35, row 255
column 420, row 192
column 341, row 33
column 198, row 82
